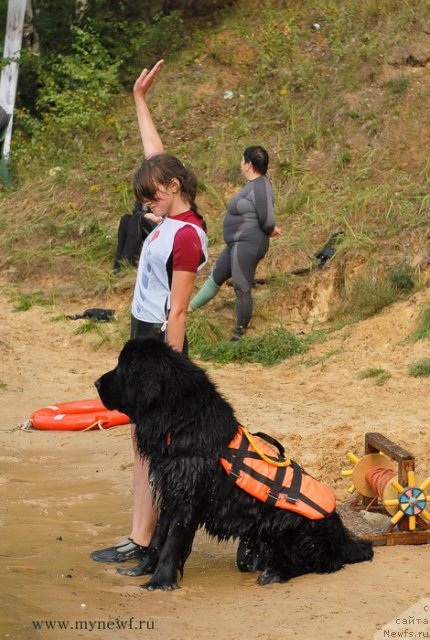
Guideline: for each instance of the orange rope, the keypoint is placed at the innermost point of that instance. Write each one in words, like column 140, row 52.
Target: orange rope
column 378, row 478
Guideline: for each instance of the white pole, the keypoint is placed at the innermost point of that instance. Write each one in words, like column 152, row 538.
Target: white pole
column 9, row 74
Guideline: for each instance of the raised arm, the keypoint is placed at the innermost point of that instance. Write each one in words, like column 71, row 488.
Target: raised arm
column 150, row 139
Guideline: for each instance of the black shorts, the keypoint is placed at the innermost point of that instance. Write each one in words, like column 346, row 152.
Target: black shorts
column 141, row 329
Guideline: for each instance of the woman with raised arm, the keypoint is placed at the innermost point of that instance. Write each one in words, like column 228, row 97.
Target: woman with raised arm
column 170, row 258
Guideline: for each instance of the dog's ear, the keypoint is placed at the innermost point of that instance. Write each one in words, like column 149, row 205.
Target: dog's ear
column 143, row 388
column 139, row 378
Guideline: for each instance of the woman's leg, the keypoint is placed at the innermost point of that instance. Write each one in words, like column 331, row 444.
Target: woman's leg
column 220, row 272
column 144, row 513
column 144, row 517
column 207, row 291
column 244, row 260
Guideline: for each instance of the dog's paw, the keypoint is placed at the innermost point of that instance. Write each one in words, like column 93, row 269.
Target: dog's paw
column 244, row 558
column 269, row 576
column 154, row 585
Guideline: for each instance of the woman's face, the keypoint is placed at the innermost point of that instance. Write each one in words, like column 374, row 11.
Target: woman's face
column 245, row 167
column 164, row 199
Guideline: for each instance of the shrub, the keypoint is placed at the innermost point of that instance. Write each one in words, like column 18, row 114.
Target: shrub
column 344, row 159
column 402, row 278
column 399, row 85
column 380, row 376
column 423, row 330
column 420, row 369
column 367, row 296
column 140, row 42
column 79, row 87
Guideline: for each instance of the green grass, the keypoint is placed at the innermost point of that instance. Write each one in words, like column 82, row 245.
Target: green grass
column 422, row 332
column 402, row 278
column 3, row 385
column 201, row 331
column 272, row 347
column 313, row 99
column 399, row 85
column 380, row 376
column 103, row 333
column 367, row 294
column 420, row 369
column 25, row 301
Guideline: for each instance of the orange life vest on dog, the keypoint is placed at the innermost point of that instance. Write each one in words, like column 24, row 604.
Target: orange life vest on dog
column 287, row 487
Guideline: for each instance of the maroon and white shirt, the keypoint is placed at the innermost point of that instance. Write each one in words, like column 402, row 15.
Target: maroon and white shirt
column 176, row 242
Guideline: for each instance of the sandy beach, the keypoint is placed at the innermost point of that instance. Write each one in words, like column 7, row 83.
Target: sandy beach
column 65, row 494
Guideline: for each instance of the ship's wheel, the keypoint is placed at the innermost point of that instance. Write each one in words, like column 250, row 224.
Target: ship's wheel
column 411, row 501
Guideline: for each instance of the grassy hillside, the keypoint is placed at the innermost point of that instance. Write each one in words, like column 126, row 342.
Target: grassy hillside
column 339, row 95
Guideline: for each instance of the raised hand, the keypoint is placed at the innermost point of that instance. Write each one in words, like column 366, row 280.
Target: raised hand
column 146, row 79
column 148, row 132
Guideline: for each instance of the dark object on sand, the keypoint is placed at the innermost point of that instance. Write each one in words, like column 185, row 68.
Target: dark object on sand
column 329, row 249
column 101, row 315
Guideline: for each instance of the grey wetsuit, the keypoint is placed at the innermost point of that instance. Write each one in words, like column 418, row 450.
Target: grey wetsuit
column 248, row 223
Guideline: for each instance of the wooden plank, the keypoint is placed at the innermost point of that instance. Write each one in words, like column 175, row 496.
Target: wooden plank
column 395, row 538
column 405, row 465
column 374, row 442
column 406, row 460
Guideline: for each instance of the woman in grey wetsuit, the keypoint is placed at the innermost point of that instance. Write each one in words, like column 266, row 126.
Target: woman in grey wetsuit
column 248, row 225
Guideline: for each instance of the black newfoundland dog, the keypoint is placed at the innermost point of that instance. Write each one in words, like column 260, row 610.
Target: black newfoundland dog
column 183, row 427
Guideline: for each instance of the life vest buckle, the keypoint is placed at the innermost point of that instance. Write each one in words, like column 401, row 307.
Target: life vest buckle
column 291, row 499
column 272, row 495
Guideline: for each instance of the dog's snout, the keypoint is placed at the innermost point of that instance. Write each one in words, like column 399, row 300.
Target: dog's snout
column 97, row 384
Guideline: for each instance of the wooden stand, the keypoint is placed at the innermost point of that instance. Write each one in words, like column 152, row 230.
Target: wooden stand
column 390, row 534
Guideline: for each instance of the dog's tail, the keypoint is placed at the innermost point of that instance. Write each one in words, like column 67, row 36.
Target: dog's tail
column 339, row 546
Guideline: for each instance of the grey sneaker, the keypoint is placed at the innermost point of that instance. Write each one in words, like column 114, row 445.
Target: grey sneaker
column 237, row 334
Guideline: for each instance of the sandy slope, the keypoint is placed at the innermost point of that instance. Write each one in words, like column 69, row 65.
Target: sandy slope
column 64, row 494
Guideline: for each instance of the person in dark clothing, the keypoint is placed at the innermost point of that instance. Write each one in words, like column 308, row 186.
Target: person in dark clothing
column 133, row 229
column 4, row 121
column 248, row 225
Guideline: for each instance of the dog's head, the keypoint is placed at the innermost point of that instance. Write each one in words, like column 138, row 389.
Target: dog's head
column 149, row 373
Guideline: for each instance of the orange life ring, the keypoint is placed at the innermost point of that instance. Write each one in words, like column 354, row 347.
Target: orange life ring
column 77, row 416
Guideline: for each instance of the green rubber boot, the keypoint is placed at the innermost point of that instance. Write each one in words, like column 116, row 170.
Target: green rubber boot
column 206, row 293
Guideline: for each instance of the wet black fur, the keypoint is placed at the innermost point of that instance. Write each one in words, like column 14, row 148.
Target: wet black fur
column 169, row 397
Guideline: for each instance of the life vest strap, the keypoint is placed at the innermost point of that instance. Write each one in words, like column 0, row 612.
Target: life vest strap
column 275, row 443
column 236, row 456
column 275, row 487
